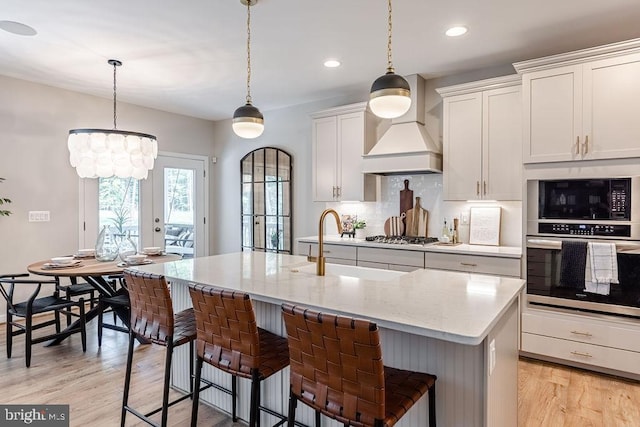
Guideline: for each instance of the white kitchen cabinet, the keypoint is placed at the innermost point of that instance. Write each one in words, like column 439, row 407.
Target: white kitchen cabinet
column 334, row 254
column 583, row 340
column 499, row 266
column 391, row 259
column 340, row 137
column 582, row 105
column 482, row 140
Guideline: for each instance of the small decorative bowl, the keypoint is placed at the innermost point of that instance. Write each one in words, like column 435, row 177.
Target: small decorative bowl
column 136, row 259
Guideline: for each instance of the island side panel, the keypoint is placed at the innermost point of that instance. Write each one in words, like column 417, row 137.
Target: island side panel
column 460, row 389
column 502, row 380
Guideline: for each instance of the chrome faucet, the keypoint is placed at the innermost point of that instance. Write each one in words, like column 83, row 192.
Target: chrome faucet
column 320, row 260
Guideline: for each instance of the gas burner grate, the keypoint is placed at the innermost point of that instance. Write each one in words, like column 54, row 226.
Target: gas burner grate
column 402, row 240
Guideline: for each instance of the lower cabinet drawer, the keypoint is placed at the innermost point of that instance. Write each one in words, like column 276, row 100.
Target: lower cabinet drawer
column 396, row 257
column 330, row 251
column 588, row 354
column 582, row 329
column 473, row 264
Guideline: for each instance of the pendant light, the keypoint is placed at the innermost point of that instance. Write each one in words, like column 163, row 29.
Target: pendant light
column 390, row 95
column 248, row 121
column 105, row 153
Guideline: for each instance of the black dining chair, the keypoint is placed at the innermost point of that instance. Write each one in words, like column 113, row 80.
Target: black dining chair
column 35, row 305
column 77, row 289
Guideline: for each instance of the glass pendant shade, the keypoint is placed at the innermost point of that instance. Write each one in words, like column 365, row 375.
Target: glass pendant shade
column 248, row 122
column 390, row 96
column 103, row 153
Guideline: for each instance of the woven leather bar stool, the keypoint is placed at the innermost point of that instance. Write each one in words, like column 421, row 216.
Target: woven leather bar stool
column 152, row 317
column 337, row 369
column 230, row 339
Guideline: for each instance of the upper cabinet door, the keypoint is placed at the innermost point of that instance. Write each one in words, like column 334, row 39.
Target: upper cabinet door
column 351, row 136
column 552, row 104
column 462, row 133
column 585, row 111
column 502, row 144
column 325, row 160
column 611, row 104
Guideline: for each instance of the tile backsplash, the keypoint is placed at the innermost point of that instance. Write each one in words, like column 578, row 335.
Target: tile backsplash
column 429, row 188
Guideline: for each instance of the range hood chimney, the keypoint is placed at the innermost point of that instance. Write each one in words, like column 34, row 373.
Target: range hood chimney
column 406, row 147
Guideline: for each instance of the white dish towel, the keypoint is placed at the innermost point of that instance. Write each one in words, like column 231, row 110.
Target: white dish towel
column 601, row 268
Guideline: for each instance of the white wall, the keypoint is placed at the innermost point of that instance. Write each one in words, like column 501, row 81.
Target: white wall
column 35, row 121
column 288, row 129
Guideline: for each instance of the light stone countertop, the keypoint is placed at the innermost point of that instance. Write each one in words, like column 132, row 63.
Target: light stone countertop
column 461, row 249
column 452, row 306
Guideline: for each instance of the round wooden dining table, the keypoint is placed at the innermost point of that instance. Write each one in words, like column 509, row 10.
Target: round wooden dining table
column 97, row 274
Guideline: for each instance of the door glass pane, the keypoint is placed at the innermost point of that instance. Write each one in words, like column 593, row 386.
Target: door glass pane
column 179, row 211
column 247, row 169
column 284, row 166
column 271, row 198
column 270, row 168
column 258, row 199
column 258, row 232
column 119, row 207
column 285, row 203
column 258, row 166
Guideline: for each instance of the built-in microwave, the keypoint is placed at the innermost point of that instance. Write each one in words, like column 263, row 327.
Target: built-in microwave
column 600, row 208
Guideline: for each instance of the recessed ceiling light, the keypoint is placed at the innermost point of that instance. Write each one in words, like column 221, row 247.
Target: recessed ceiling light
column 17, row 28
column 456, row 31
column 332, row 63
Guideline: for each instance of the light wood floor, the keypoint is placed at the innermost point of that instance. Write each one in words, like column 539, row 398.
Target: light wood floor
column 91, row 383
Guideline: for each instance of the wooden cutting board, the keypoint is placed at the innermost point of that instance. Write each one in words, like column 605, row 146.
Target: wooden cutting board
column 394, row 226
column 406, row 201
column 417, row 221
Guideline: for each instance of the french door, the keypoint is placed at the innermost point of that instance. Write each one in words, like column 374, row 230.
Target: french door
column 168, row 209
column 179, row 205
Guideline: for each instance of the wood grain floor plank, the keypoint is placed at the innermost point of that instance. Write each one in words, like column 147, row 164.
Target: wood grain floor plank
column 549, row 395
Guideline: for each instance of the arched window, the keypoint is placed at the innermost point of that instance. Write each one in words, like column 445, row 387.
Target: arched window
column 266, row 200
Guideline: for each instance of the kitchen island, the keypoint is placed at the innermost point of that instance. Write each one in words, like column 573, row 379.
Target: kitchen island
column 461, row 327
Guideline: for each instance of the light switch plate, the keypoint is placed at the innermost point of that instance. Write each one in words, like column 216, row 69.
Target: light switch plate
column 39, row 216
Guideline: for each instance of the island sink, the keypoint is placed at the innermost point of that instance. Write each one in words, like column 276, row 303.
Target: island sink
column 365, row 273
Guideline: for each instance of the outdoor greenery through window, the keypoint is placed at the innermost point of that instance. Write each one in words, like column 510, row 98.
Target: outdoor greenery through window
column 119, row 206
column 179, row 211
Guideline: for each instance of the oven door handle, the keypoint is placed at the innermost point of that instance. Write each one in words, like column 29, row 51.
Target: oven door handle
column 544, row 243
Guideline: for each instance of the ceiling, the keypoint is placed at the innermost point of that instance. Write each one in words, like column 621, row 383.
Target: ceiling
column 189, row 57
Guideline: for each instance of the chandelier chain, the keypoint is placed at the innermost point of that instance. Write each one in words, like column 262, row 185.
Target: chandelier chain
column 249, row 52
column 115, row 116
column 389, row 32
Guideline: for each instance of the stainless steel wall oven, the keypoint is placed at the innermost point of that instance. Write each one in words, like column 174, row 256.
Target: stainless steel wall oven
column 583, row 210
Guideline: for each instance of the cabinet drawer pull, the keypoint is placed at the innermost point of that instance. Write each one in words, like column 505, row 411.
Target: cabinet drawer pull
column 334, row 192
column 584, row 334
column 468, row 264
column 578, row 144
column 477, row 188
column 485, row 187
column 326, row 252
column 577, row 353
column 585, row 146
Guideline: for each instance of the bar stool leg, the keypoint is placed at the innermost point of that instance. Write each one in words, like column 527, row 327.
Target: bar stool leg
column 255, row 396
column 9, row 334
column 127, row 380
column 167, row 381
column 432, row 406
column 196, row 393
column 291, row 418
column 234, row 383
column 317, row 418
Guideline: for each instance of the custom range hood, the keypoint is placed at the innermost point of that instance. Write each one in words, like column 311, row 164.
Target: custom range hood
column 406, row 147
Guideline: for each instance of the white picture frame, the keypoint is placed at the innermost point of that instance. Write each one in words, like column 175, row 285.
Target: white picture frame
column 484, row 225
